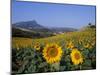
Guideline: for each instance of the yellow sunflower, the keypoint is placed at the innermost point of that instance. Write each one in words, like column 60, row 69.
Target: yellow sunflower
column 37, row 46
column 70, row 45
column 76, row 57
column 88, row 46
column 52, row 53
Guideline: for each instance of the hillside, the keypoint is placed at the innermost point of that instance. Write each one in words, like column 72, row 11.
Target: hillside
column 62, row 29
column 20, row 32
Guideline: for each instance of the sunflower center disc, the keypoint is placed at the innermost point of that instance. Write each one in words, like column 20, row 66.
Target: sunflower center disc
column 77, row 56
column 52, row 52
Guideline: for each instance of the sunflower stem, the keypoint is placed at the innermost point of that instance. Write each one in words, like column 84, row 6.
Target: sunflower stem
column 80, row 67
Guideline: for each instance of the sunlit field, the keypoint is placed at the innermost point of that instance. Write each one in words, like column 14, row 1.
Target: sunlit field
column 63, row 52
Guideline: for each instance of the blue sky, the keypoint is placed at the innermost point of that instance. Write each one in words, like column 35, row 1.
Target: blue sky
column 53, row 15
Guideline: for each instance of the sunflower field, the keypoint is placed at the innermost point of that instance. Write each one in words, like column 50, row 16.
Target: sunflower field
column 63, row 52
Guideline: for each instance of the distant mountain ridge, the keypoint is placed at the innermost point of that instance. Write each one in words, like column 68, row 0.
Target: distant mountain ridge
column 33, row 29
column 31, row 25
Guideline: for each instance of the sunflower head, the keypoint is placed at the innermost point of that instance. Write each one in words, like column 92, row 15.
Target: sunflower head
column 76, row 57
column 70, row 45
column 88, row 46
column 52, row 53
column 37, row 46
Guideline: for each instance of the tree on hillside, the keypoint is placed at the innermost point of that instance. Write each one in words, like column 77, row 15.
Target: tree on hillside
column 89, row 24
